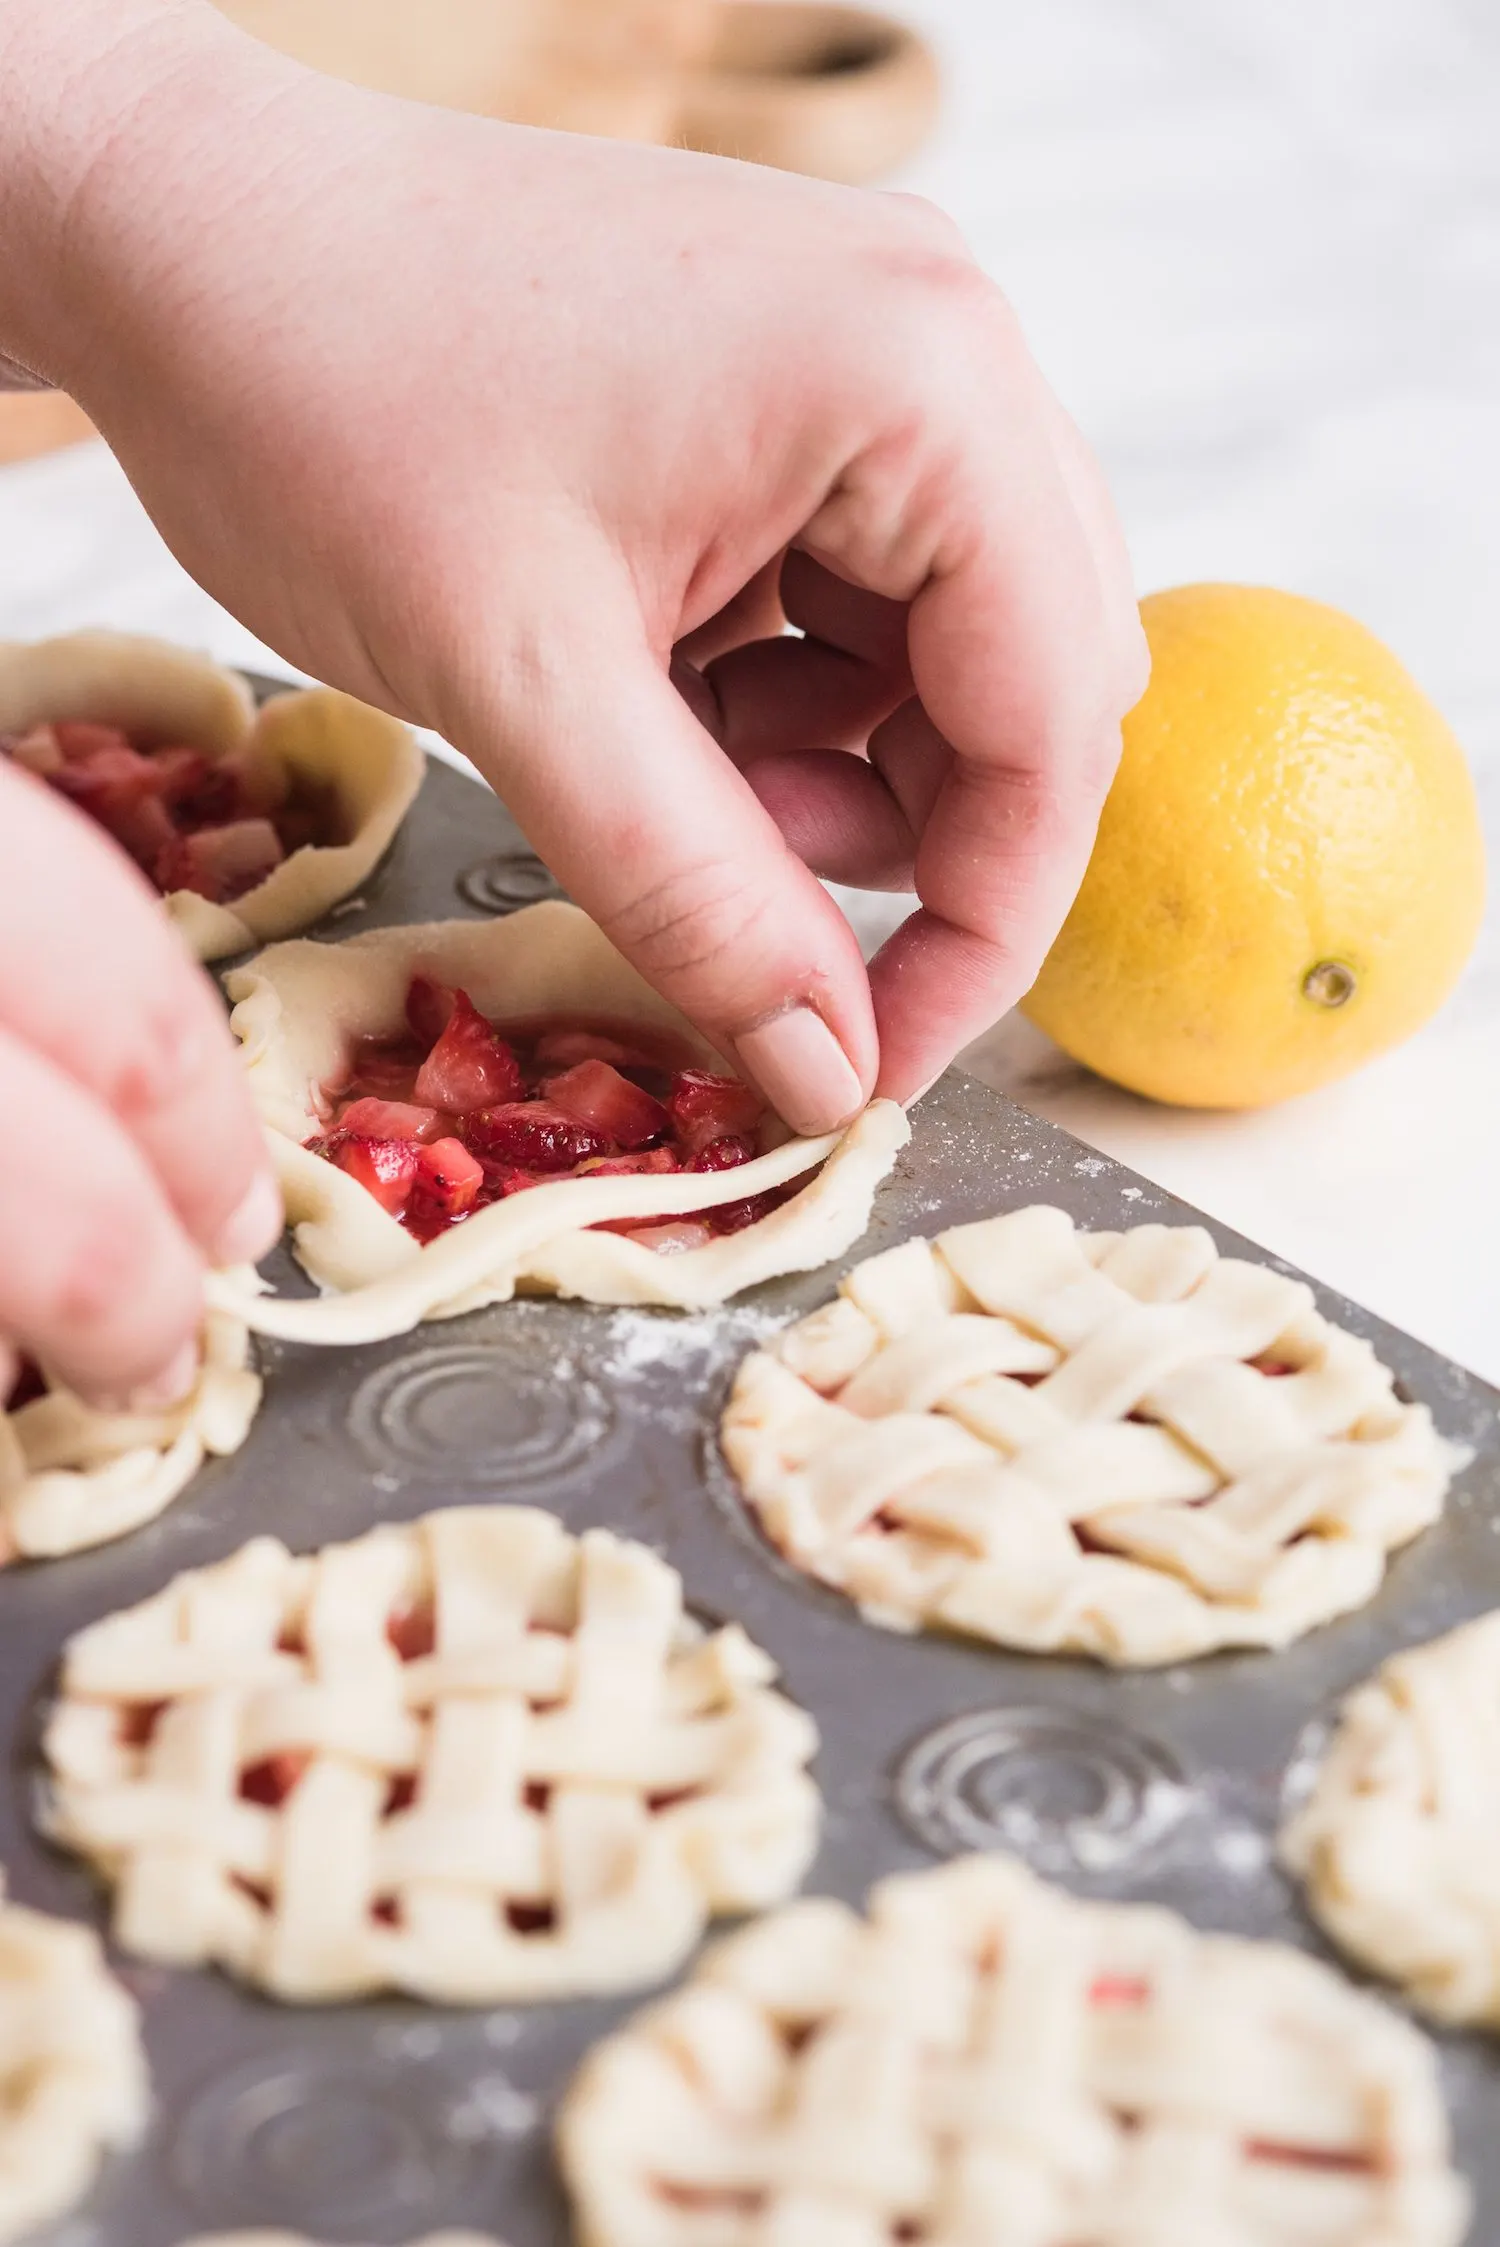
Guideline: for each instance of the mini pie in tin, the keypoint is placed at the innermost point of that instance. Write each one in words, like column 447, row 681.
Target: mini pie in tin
column 985, row 2059
column 1116, row 1444
column 300, row 1009
column 472, row 1758
column 360, row 766
column 1398, row 1843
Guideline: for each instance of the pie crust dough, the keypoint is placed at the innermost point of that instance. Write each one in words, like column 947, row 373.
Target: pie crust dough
column 72, row 1477
column 73, row 2081
column 1399, row 1841
column 1149, row 1497
column 986, row 2062
column 298, row 1004
column 165, row 693
column 296, row 2239
column 595, row 1776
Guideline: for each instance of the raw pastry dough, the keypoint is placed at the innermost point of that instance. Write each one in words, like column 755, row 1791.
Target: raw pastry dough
column 166, row 694
column 298, row 1005
column 473, row 1758
column 295, row 2239
column 1060, row 1441
column 1399, row 1841
column 985, row 2059
column 73, row 2082
column 72, row 1477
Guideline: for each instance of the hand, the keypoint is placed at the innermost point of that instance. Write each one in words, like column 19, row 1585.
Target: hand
column 480, row 423
column 128, row 1151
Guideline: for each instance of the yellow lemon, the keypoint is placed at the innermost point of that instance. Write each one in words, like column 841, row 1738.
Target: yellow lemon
column 1289, row 873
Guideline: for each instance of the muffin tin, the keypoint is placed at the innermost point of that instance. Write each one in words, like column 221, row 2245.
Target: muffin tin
column 380, row 2121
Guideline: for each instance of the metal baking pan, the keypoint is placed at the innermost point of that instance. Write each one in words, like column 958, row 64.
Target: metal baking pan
column 379, row 2121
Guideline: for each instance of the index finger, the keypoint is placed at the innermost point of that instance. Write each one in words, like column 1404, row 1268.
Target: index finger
column 94, row 977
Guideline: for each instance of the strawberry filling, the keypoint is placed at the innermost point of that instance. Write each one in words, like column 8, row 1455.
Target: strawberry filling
column 457, row 1113
column 216, row 826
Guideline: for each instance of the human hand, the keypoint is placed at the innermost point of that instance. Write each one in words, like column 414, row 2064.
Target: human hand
column 480, row 423
column 129, row 1155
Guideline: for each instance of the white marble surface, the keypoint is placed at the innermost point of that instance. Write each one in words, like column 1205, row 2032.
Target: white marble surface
column 1258, row 250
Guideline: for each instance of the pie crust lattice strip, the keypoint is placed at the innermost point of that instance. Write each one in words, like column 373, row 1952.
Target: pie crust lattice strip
column 71, row 1477
column 473, row 1758
column 159, row 693
column 1114, row 1444
column 73, row 2082
column 299, row 1006
column 1399, row 1841
column 984, row 2061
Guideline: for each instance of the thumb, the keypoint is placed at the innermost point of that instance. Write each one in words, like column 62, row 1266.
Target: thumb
column 621, row 789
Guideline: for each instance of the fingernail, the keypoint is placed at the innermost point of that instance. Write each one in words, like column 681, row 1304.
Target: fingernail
column 169, row 1387
column 255, row 1228
column 803, row 1071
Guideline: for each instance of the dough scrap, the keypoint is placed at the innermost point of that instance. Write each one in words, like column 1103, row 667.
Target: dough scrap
column 1398, row 1843
column 73, row 2081
column 163, row 693
column 1059, row 1441
column 296, row 1006
column 472, row 1758
column 71, row 1477
column 984, row 2058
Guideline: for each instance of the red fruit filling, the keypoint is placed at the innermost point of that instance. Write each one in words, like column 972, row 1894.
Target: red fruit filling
column 459, row 1112
column 216, row 826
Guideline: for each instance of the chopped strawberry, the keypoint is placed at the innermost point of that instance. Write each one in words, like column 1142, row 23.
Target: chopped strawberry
column 37, row 749
column 120, row 790
column 78, row 738
column 1119, row 1989
column 413, row 1630
column 181, row 777
column 429, row 1005
column 1339, row 2161
column 705, row 1107
column 221, row 863
column 511, row 1178
column 385, row 1068
column 564, row 1049
column 386, row 1168
column 471, row 1066
column 448, row 1179
column 674, row 1236
column 733, row 1217
column 724, row 1154
column 272, row 1779
column 532, row 1135
column 372, row 1118
column 610, row 1104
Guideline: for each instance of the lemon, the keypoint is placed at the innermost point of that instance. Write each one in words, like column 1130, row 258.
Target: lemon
column 1289, row 871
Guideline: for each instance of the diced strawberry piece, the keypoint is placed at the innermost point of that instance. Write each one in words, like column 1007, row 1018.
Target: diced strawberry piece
column 510, row 1178
column 448, row 1178
column 120, row 790
column 733, row 1217
column 385, row 1068
column 471, row 1066
column 37, row 749
column 413, row 1631
column 532, row 1135
column 181, row 774
column 563, row 1049
column 610, row 1104
column 1338, row 2161
column 724, row 1154
column 386, row 1168
column 672, row 1237
column 1118, row 1989
column 370, row 1118
column 78, row 738
column 1274, row 1369
column 272, row 1779
column 220, row 863
column 429, row 1004
column 705, row 1107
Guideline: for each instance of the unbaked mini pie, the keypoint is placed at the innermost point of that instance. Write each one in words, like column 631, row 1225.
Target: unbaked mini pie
column 984, row 2061
column 73, row 2082
column 466, row 1108
column 251, row 826
column 72, row 1477
column 1114, row 1444
column 473, row 1758
column 1398, row 1842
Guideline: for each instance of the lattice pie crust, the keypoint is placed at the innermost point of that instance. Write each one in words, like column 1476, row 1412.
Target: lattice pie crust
column 1071, row 1442
column 986, row 2062
column 473, row 1758
column 1399, row 1841
column 72, row 1477
column 299, row 1004
column 150, row 688
column 73, row 2080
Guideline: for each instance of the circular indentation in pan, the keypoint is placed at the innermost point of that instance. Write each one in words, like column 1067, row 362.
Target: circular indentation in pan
column 479, row 1414
column 1065, row 1791
column 343, row 2146
column 507, row 881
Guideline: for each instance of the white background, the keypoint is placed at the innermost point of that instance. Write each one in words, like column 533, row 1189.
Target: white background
column 1257, row 249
